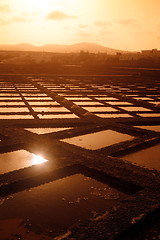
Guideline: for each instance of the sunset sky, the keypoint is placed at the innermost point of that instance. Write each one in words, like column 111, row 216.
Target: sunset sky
column 120, row 24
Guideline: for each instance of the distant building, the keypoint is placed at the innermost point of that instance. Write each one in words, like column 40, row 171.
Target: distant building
column 150, row 53
column 129, row 56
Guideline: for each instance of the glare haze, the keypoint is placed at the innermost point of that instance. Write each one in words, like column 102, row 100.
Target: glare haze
column 120, row 24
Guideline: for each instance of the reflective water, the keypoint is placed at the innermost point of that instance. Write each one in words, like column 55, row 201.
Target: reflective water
column 100, row 109
column 10, row 117
column 9, row 94
column 106, row 98
column 152, row 128
column 131, row 95
column 94, row 141
column 12, row 103
column 120, row 103
column 106, row 115
column 50, row 109
column 157, row 103
column 53, row 207
column 149, row 114
column 51, row 103
column 38, row 98
column 10, row 98
column 149, row 157
column 77, row 98
column 51, row 116
column 16, row 160
column 13, row 109
column 88, row 103
column 143, row 98
column 7, row 89
column 56, row 88
column 34, row 94
column 135, row 108
column 45, row 130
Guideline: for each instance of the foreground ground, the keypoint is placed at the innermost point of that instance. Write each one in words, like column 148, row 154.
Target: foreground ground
column 100, row 137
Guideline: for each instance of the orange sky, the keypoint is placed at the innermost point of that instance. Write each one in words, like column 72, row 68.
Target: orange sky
column 121, row 24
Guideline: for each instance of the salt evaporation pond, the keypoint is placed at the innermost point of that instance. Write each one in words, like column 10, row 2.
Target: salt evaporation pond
column 51, row 208
column 94, row 141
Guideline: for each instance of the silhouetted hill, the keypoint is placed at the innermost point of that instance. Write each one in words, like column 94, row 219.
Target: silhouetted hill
column 18, row 47
column 91, row 47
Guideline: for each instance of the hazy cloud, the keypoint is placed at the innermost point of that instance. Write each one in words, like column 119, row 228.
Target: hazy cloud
column 3, row 22
column 106, row 33
column 158, row 26
column 83, row 26
column 104, row 29
column 30, row 14
column 102, row 24
column 57, row 2
column 86, row 36
column 13, row 20
column 4, row 8
column 19, row 19
column 126, row 22
column 58, row 15
column 145, row 33
column 92, row 35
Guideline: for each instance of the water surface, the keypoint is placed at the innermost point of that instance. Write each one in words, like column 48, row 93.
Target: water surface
column 12, row 103
column 50, row 103
column 94, row 141
column 77, row 98
column 53, row 207
column 120, row 103
column 149, row 114
column 52, row 116
column 11, row 117
column 14, row 109
column 88, row 103
column 135, row 109
column 152, row 128
column 149, row 157
column 113, row 115
column 16, row 160
column 143, row 98
column 100, row 109
column 50, row 109
column 45, row 130
column 106, row 98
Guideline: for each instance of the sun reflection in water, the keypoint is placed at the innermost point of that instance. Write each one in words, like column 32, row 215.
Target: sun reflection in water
column 38, row 159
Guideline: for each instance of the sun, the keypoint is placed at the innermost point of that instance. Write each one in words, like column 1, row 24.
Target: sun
column 38, row 6
column 37, row 159
column 42, row 3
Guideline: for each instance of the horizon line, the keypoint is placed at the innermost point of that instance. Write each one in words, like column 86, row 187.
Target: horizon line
column 45, row 44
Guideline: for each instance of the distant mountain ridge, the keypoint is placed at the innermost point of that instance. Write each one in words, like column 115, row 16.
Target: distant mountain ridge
column 57, row 48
